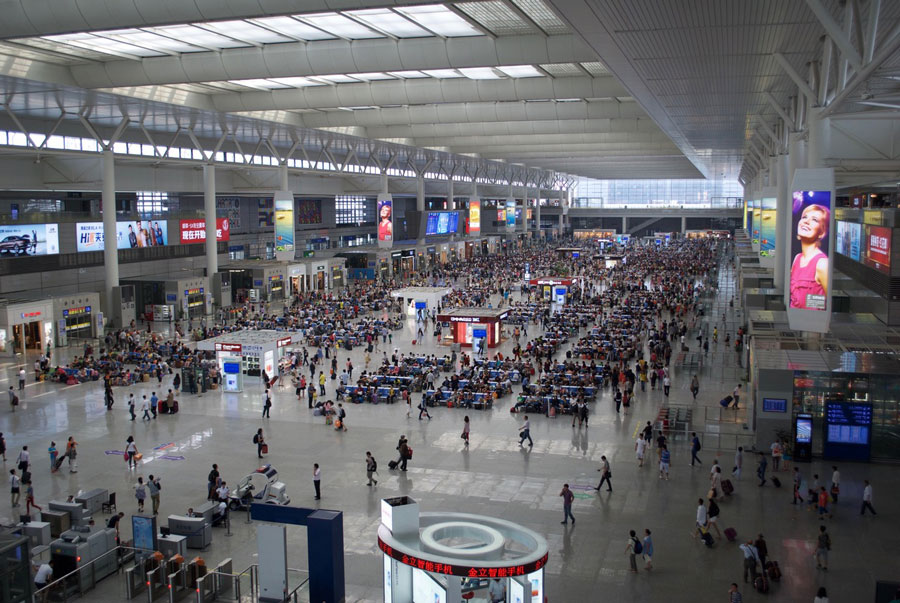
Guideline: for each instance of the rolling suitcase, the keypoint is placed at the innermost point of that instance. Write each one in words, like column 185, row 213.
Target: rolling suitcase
column 727, row 487
column 773, row 571
column 726, row 401
column 706, row 537
column 776, row 482
column 730, row 534
column 392, row 465
column 761, row 584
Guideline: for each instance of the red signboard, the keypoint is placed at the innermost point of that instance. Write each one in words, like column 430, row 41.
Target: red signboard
column 284, row 341
column 465, row 571
column 228, row 347
column 194, row 231
column 878, row 248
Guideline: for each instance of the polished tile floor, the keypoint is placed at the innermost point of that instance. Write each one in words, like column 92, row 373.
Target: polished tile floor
column 493, row 477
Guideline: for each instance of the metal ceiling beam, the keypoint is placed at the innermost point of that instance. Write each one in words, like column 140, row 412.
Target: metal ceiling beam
column 841, row 40
column 796, row 77
column 779, row 110
column 419, row 92
column 607, row 129
column 331, row 57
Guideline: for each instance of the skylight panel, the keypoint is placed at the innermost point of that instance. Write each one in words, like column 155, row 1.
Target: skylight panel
column 596, row 68
column 296, row 82
column 373, row 76
column 151, row 40
column 197, row 36
column 440, row 19
column 259, row 83
column 390, row 22
column 294, row 28
column 545, row 18
column 479, row 73
column 496, row 16
column 442, row 74
column 243, row 30
column 338, row 79
column 562, row 69
column 341, row 26
column 408, row 74
column 517, row 71
column 92, row 42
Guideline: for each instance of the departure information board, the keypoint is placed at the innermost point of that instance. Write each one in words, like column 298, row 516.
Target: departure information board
column 848, row 430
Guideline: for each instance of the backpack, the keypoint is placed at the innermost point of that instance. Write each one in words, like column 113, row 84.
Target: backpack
column 637, row 546
column 256, row 438
column 374, row 464
column 697, row 444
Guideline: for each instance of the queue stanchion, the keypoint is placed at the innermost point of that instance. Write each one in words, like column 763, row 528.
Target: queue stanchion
column 227, row 520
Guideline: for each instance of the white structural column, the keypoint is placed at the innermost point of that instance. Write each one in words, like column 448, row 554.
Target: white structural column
column 283, row 176
column 782, row 217
column 537, row 214
column 523, row 226
column 209, row 210
column 683, row 224
column 819, row 137
column 451, row 195
column 384, row 183
column 110, row 248
column 420, row 205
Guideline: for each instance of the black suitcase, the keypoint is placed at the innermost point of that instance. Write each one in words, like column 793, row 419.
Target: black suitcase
column 761, row 584
column 707, row 538
column 776, row 482
column 392, row 465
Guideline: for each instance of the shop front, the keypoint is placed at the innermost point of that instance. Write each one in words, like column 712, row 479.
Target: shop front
column 445, row 253
column 276, row 286
column 384, row 269
column 470, row 249
column 257, row 351
column 337, row 276
column 26, row 327
column 189, row 296
column 296, row 278
column 431, row 257
column 553, row 289
column 478, row 328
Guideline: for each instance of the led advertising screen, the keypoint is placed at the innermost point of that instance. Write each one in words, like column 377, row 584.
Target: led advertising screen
column 194, row 231
column 284, row 222
column 878, row 248
column 501, row 215
column 810, row 272
column 385, row 208
column 129, row 235
column 848, row 239
column 511, row 214
column 29, row 239
column 767, row 230
column 804, row 430
column 474, row 216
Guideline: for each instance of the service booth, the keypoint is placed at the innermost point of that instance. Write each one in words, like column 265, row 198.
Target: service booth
column 26, row 326
column 403, row 263
column 569, row 252
column 249, row 351
column 417, row 300
column 553, row 289
column 77, row 317
column 452, row 557
column 478, row 328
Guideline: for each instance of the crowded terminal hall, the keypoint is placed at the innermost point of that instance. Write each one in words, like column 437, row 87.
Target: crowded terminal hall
column 436, row 315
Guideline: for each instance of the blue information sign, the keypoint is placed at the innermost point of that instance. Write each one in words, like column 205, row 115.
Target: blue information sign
column 848, row 430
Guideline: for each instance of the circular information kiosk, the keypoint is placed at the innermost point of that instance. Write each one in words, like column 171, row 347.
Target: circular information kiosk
column 451, row 557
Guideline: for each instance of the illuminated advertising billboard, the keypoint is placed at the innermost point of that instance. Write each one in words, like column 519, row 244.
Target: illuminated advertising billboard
column 129, row 235
column 767, row 230
column 510, row 214
column 194, row 231
column 385, row 207
column 810, row 268
column 849, row 235
column 474, row 216
column 284, row 222
column 878, row 248
column 19, row 240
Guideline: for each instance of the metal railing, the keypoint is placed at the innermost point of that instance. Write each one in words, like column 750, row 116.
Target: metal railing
column 712, row 203
column 243, row 587
column 61, row 588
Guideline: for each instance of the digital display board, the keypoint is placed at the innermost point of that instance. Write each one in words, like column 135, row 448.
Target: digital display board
column 385, row 220
column 804, row 430
column 194, row 231
column 848, row 243
column 29, row 239
column 810, row 271
column 463, row 571
column 129, row 235
column 441, row 223
column 878, row 248
column 510, row 214
column 284, row 222
column 774, row 405
column 767, row 230
column 848, row 430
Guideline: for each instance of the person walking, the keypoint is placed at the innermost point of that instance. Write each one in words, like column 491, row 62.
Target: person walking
column 423, row 408
column 131, row 452
column 702, row 515
column 154, row 487
column 822, row 507
column 72, row 454
column 640, row 447
column 823, row 545
column 738, row 462
column 751, row 558
column 317, row 480
column 736, row 394
column 567, row 497
column 664, row 461
column 497, row 591
column 22, row 379
column 761, row 469
column 667, row 384
column 777, row 452
column 267, row 403
column 405, row 450
column 140, row 493
column 52, row 451
column 145, row 408
column 14, row 487
column 797, row 478
column 762, row 551
column 525, row 432
column 322, row 382
column 29, row 499
column 734, row 595
column 23, row 460
column 695, row 448
column 647, row 552
column 131, row 406
column 154, row 404
column 630, row 550
column 867, row 499
column 695, row 386
column 260, row 442
column 371, row 469
column 835, row 483
column 605, row 475
column 212, row 482
column 465, row 431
